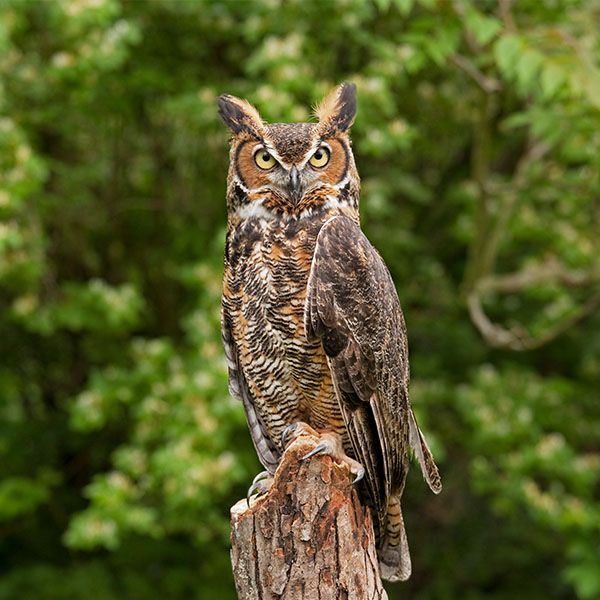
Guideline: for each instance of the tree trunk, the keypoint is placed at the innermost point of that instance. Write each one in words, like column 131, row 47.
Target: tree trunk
column 308, row 538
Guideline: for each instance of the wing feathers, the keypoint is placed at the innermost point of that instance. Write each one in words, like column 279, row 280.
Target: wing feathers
column 423, row 455
column 238, row 388
column 350, row 294
column 352, row 305
column 360, row 371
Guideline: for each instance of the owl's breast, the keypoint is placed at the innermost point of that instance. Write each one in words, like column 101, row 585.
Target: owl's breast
column 266, row 273
column 270, row 262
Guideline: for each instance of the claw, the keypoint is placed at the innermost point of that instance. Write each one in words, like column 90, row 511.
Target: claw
column 255, row 487
column 332, row 445
column 315, row 450
column 286, row 433
column 359, row 475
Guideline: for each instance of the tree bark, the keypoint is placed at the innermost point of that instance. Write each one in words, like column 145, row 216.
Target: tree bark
column 308, row 538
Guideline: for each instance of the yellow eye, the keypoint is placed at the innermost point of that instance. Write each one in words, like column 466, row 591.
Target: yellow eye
column 264, row 160
column 320, row 158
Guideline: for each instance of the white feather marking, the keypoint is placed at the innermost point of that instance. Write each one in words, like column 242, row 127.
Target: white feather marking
column 342, row 183
column 254, row 210
column 313, row 148
column 239, row 183
column 271, row 150
column 334, row 202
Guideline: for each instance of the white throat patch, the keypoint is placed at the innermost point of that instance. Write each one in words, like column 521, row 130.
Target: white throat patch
column 254, row 209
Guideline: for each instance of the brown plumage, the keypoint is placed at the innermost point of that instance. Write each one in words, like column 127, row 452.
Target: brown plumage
column 312, row 325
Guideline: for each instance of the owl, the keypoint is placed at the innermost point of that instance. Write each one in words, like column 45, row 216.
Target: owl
column 311, row 322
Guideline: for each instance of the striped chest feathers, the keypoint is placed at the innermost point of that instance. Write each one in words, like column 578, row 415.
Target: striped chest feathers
column 267, row 265
column 266, row 274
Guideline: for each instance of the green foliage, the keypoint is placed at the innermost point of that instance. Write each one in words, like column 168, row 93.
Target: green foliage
column 477, row 142
column 21, row 495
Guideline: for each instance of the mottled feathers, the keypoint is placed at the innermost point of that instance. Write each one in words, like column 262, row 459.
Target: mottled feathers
column 353, row 307
column 312, row 325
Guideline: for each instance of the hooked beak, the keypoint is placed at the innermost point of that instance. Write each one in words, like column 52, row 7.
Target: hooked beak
column 294, row 185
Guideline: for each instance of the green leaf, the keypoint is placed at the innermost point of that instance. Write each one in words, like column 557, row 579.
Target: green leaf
column 528, row 67
column 585, row 578
column 383, row 5
column 484, row 28
column 19, row 496
column 552, row 79
column 405, row 6
column 506, row 52
column 586, row 81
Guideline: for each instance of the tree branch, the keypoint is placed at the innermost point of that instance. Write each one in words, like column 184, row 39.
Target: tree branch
column 549, row 272
column 516, row 337
column 488, row 84
column 506, row 15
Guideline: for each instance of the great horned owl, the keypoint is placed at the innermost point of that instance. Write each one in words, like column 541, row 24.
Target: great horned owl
column 312, row 325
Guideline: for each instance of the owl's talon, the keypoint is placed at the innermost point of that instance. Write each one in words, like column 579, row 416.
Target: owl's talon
column 260, row 485
column 331, row 444
column 320, row 448
column 287, row 432
column 360, row 473
column 294, row 430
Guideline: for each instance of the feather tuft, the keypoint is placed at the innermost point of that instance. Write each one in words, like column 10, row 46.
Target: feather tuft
column 240, row 116
column 337, row 110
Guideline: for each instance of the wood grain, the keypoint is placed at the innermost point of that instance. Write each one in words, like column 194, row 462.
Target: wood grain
column 308, row 538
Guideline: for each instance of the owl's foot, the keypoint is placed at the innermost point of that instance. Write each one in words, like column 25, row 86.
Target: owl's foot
column 292, row 431
column 331, row 443
column 328, row 443
column 261, row 484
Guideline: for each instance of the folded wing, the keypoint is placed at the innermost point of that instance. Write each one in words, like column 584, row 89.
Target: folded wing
column 353, row 307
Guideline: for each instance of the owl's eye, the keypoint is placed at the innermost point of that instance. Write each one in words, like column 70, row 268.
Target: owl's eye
column 320, row 158
column 264, row 160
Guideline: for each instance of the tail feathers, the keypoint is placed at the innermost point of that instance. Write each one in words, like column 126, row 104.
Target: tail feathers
column 394, row 556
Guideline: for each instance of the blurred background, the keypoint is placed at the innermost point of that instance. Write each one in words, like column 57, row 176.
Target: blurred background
column 478, row 143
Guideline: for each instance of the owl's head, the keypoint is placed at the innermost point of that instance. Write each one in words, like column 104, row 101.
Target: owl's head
column 292, row 169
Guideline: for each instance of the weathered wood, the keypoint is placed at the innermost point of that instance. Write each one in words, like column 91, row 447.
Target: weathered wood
column 308, row 538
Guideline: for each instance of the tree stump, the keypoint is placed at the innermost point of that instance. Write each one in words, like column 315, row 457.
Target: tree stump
column 308, row 538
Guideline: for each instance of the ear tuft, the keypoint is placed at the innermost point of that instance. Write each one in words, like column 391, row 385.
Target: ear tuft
column 337, row 111
column 239, row 115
